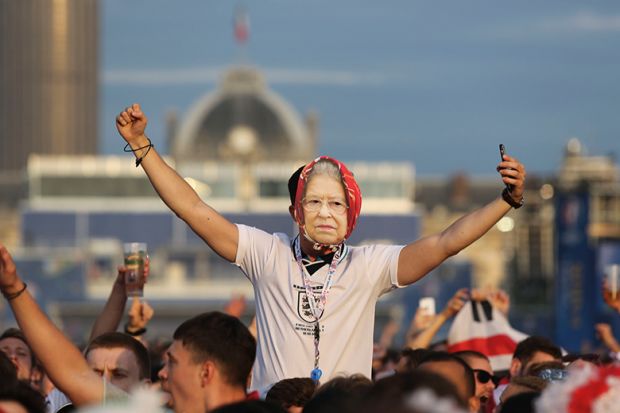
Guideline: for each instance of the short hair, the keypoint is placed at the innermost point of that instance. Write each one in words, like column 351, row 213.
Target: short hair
column 21, row 393
column 18, row 334
column 442, row 356
column 537, row 368
column 222, row 339
column 292, row 392
column 125, row 341
column 520, row 403
column 533, row 383
column 412, row 357
column 526, row 349
column 356, row 384
column 391, row 392
column 466, row 355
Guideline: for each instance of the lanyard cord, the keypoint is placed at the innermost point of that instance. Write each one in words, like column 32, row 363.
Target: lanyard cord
column 317, row 309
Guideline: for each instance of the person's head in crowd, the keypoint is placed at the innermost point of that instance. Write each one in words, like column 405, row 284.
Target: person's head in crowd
column 250, row 406
column 355, row 384
column 8, row 372
column 19, row 397
column 548, row 370
column 157, row 350
column 386, row 364
column 483, row 374
column 292, row 394
column 520, row 403
column 520, row 385
column 208, row 362
column 392, row 394
column 120, row 359
column 410, row 358
column 534, row 349
column 455, row 370
column 339, row 395
column 13, row 343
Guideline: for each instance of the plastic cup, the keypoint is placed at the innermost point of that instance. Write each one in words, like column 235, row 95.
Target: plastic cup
column 135, row 255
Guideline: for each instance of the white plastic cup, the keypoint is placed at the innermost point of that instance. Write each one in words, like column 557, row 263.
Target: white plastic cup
column 135, row 256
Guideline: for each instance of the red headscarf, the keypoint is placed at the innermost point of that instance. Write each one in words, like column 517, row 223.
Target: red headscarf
column 351, row 191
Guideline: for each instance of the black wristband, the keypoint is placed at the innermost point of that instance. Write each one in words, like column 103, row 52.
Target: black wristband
column 16, row 294
column 136, row 333
column 506, row 196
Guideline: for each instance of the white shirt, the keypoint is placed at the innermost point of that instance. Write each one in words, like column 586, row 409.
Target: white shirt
column 285, row 324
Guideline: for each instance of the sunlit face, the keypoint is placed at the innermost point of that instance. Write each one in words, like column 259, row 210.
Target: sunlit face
column 117, row 365
column 484, row 391
column 19, row 353
column 182, row 378
column 325, row 225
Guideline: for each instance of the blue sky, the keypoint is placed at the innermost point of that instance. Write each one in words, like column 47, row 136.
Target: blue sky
column 439, row 83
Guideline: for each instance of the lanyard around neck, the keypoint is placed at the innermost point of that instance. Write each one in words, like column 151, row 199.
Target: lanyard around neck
column 316, row 308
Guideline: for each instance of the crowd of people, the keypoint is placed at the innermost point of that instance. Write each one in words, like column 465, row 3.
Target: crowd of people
column 310, row 347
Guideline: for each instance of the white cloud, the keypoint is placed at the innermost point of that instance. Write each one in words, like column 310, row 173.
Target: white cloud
column 192, row 76
column 583, row 21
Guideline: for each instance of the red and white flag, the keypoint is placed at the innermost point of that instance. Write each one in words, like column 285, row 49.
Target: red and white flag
column 241, row 25
column 480, row 327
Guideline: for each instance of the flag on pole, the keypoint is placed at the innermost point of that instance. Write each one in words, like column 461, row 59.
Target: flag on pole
column 241, row 25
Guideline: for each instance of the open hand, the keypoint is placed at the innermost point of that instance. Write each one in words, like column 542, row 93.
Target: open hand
column 456, row 303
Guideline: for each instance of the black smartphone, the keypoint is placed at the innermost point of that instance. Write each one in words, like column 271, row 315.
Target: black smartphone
column 502, row 152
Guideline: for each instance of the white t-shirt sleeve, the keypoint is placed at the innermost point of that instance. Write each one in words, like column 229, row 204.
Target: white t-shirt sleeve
column 255, row 248
column 382, row 264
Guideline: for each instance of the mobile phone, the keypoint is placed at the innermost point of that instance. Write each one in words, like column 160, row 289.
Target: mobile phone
column 427, row 304
column 502, row 152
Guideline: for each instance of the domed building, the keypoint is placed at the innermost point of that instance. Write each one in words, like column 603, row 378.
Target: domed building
column 243, row 120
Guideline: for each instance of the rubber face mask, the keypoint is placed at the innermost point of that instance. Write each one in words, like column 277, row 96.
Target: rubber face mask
column 351, row 190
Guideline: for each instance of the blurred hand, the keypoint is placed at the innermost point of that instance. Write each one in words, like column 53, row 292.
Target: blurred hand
column 609, row 298
column 131, row 123
column 140, row 313
column 8, row 271
column 497, row 297
column 500, row 300
column 603, row 331
column 235, row 306
column 421, row 320
column 457, row 302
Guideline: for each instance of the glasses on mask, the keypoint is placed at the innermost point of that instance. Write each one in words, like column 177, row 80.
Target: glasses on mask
column 337, row 206
column 484, row 376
